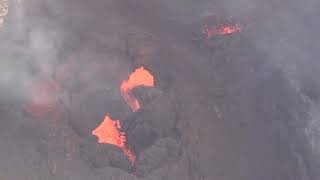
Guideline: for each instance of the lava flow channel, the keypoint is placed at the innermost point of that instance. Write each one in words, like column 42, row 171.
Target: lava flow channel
column 140, row 77
column 221, row 30
column 110, row 132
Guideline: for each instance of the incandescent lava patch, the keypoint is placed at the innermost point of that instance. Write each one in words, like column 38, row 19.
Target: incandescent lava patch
column 140, row 77
column 110, row 132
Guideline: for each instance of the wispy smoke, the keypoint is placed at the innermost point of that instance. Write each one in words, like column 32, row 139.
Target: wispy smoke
column 34, row 38
column 40, row 37
column 29, row 50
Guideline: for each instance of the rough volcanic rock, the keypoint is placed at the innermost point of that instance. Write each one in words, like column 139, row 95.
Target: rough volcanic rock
column 146, row 95
column 103, row 155
column 163, row 152
column 89, row 108
column 177, row 170
column 144, row 50
column 20, row 148
column 236, row 118
column 245, row 114
column 141, row 47
column 140, row 135
column 156, row 120
column 110, row 173
column 161, row 114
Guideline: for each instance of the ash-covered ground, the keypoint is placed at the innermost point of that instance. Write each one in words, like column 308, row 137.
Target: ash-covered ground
column 241, row 106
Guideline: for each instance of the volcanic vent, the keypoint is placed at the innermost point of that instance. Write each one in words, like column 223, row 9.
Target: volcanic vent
column 140, row 141
column 121, row 89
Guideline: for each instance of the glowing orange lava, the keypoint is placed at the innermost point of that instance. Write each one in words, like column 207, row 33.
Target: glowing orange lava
column 229, row 29
column 140, row 77
column 220, row 30
column 110, row 132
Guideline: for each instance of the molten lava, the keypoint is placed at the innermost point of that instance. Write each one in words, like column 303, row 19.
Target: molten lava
column 229, row 29
column 221, row 30
column 110, row 132
column 140, row 77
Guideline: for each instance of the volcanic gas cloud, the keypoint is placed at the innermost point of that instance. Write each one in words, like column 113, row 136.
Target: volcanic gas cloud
column 44, row 97
column 45, row 93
